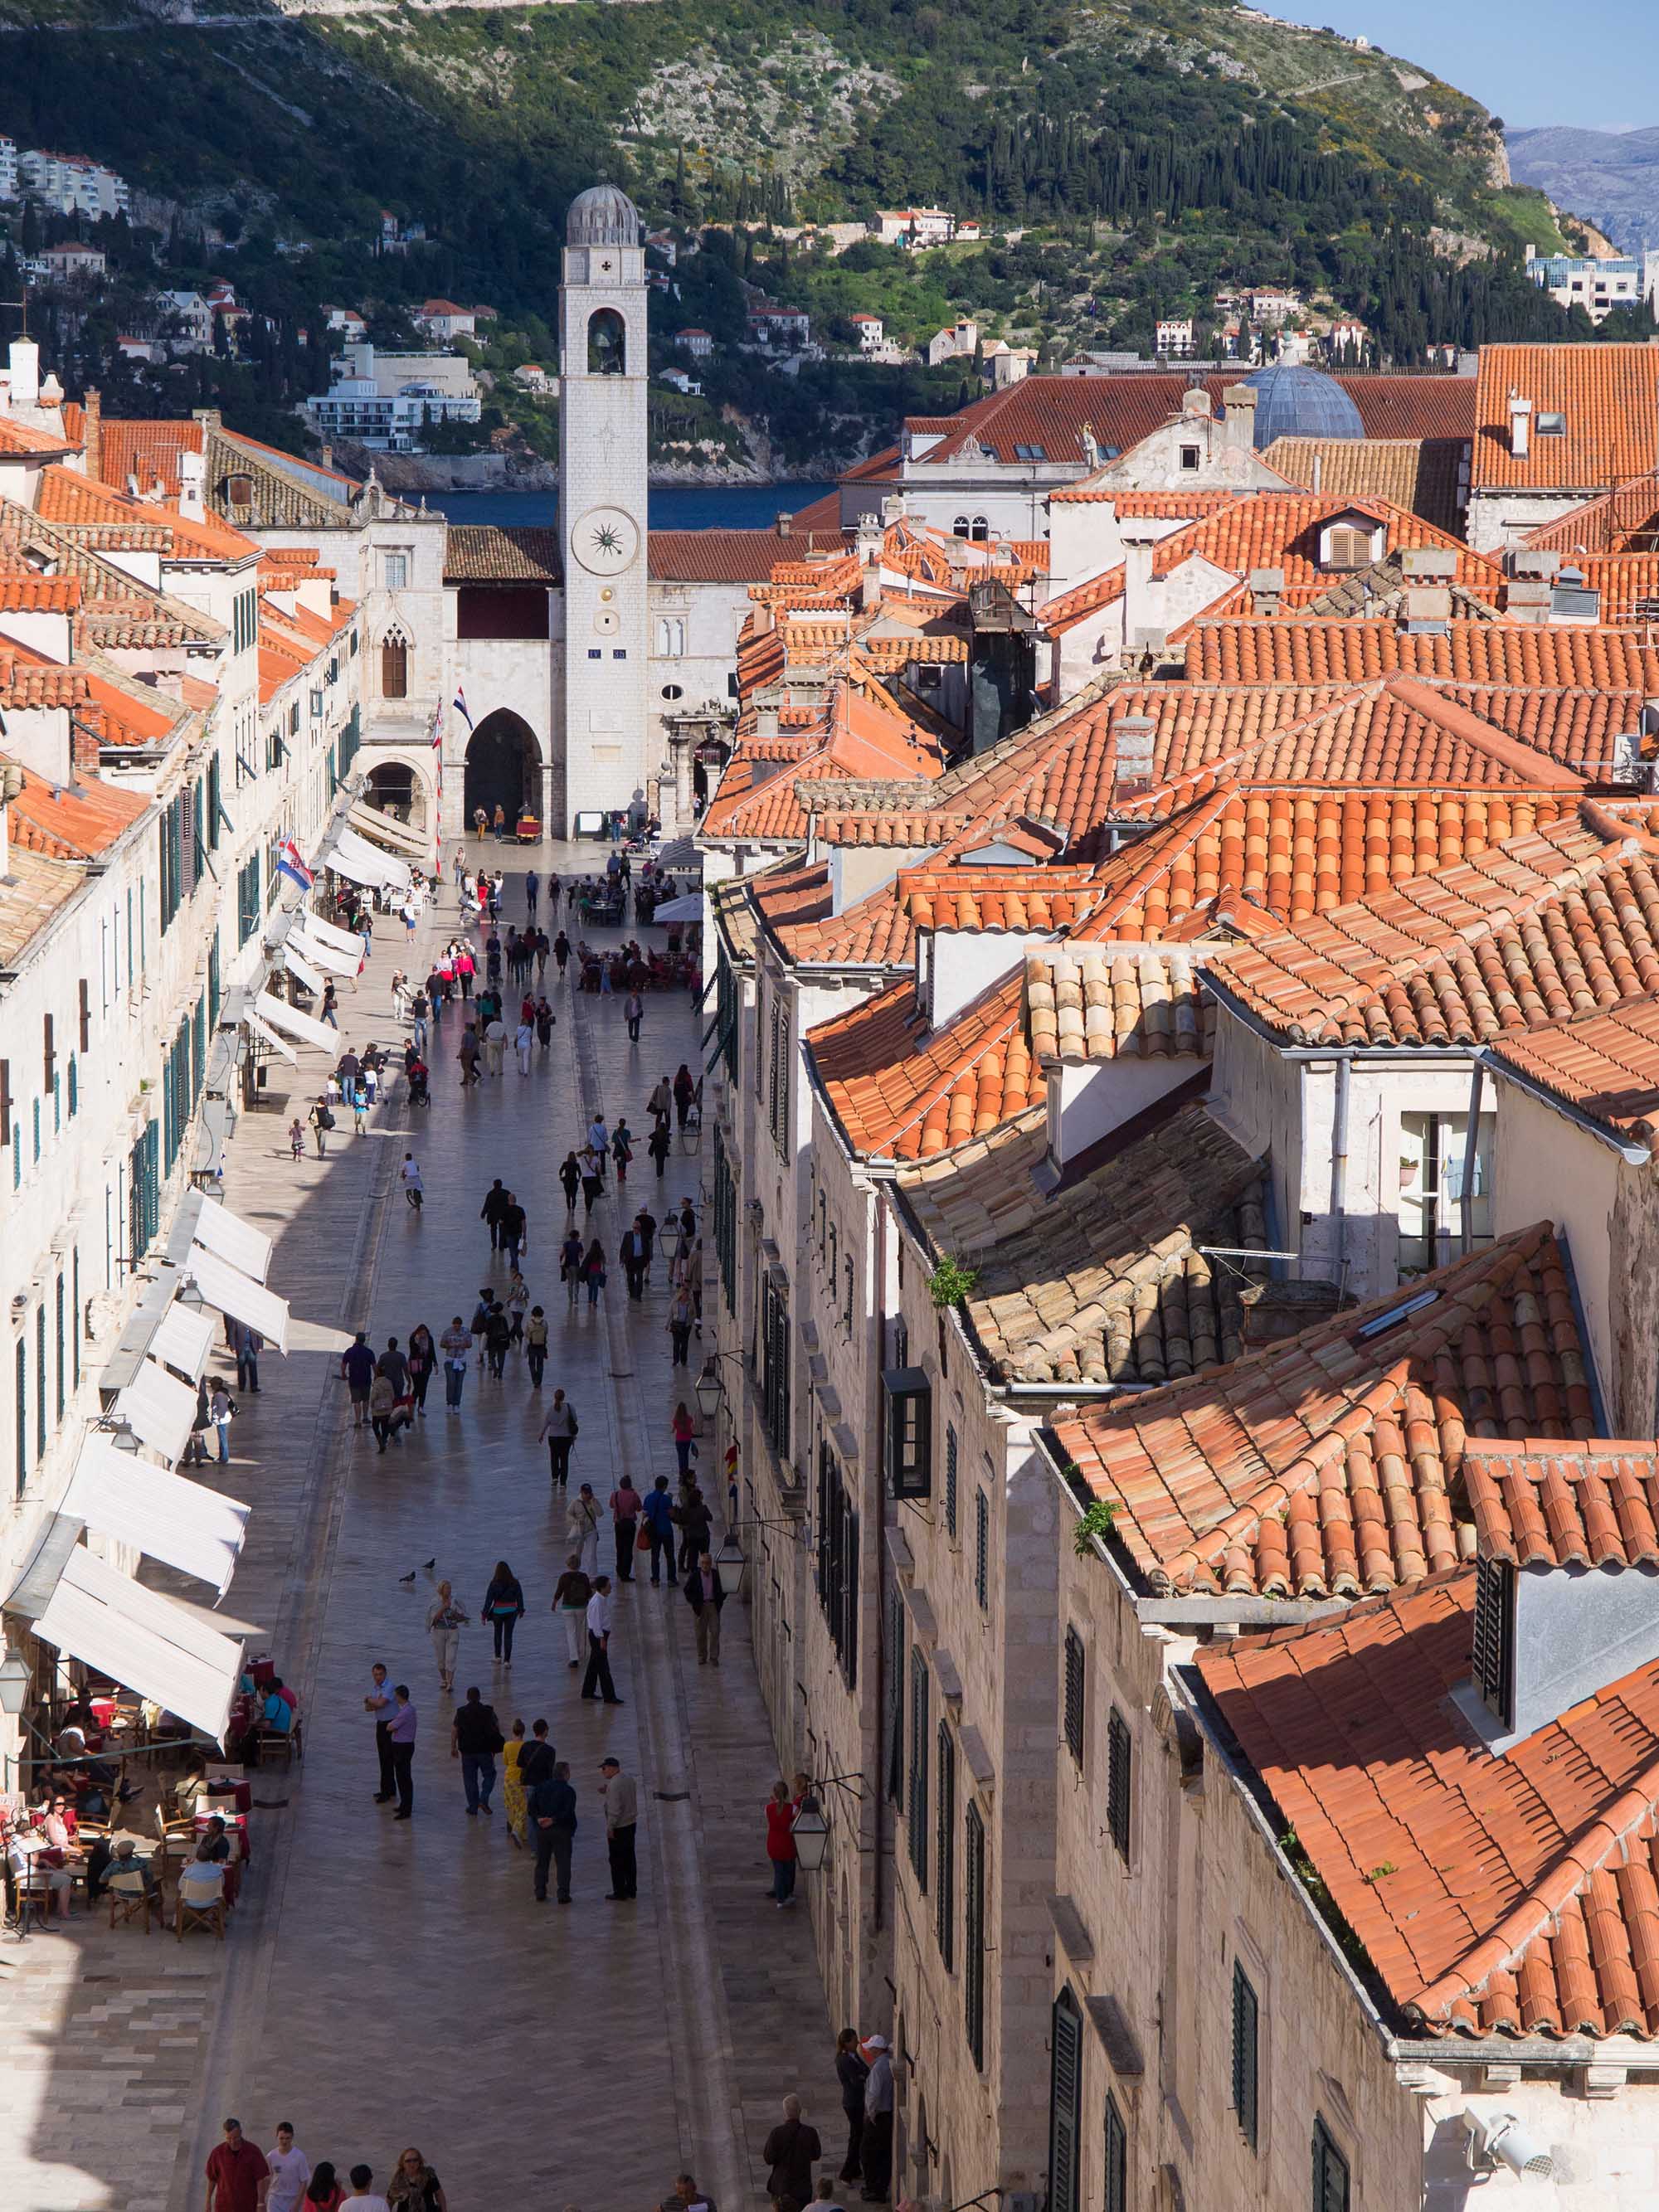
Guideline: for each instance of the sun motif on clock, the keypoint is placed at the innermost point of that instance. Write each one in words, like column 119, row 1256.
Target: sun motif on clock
column 605, row 540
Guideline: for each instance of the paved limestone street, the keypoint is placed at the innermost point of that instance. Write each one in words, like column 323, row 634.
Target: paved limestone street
column 382, row 1983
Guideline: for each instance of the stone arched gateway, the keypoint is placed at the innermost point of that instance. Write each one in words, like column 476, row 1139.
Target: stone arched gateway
column 401, row 782
column 503, row 769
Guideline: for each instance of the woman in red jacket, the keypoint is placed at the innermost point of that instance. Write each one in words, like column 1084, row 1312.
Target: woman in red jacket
column 780, row 1844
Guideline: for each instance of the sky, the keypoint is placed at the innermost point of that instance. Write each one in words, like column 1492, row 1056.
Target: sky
column 1594, row 63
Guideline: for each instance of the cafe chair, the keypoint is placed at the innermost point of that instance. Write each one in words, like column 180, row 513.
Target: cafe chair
column 201, row 1899
column 176, row 1839
column 287, row 1744
column 128, row 1896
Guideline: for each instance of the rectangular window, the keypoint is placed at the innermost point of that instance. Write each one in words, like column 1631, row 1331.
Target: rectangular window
column 39, row 1381
column 1074, row 1694
column 63, row 1377
column 1116, row 2158
column 1065, row 2102
column 917, row 1807
column 726, row 1224
column 1431, row 1205
column 982, row 1549
column 951, row 1482
column 838, row 1564
column 1117, row 1782
column 774, row 1367
column 75, row 1321
column 395, row 571
column 944, row 1878
column 34, row 1110
column 973, row 1933
column 1330, row 2172
column 908, row 1431
column 20, row 1391
column 1494, row 1638
column 1245, row 2019
column 894, row 1688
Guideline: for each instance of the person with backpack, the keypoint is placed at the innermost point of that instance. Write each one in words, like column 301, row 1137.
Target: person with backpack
column 498, row 1335
column 535, row 1345
column 322, row 1121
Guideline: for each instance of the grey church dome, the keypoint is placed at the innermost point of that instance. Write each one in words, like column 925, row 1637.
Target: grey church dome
column 1295, row 402
column 602, row 215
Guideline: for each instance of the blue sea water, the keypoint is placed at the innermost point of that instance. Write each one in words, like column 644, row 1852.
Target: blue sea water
column 674, row 506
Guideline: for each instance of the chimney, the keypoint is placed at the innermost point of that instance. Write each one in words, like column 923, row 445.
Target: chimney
column 783, row 526
column 1091, row 448
column 328, row 457
column 93, row 431
column 209, row 417
column 1142, row 597
column 24, row 357
column 1519, row 425
column 1266, row 587
column 192, row 483
column 868, row 546
column 1238, row 402
column 11, row 782
column 1131, row 753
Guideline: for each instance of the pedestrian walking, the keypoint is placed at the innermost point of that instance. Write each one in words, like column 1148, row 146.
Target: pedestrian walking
column 514, row 1230
column 661, row 1104
column 289, row 2170
column 695, row 1522
column 357, row 1365
column 445, row 1619
column 705, row 1594
column 378, row 1702
column 236, row 2172
column 296, row 1139
column 626, row 1504
column 467, row 1055
column 321, row 1118
column 480, row 1323
column 544, row 1022
column 475, row 1737
column 323, row 2191
column 419, row 1007
column 222, row 1407
column 415, row 2187
column 685, row 1089
column 571, row 1254
column 594, row 1273
column 382, row 1408
column 634, row 1013
column 622, row 1151
column 497, row 1201
column 498, row 1335
column 581, row 1526
column 562, row 952
column 531, row 892
column 455, row 1343
column 552, row 1807
column 684, row 1430
column 503, row 1608
column 781, row 1811
column 494, row 1044
column 597, row 1682
column 876, row 2150
column 681, row 1321
column 570, row 1595
column 535, row 1345
column 423, row 1358
column 621, row 1813
column 512, row 1793
column 559, row 1432
column 658, row 1146
column 598, row 1140
column 791, row 2151
column 659, row 1510
column 570, row 1175
column 635, row 1254
column 401, row 1730
column 524, row 1042
column 330, row 1012
column 592, row 1179
column 852, row 2073
column 393, row 1364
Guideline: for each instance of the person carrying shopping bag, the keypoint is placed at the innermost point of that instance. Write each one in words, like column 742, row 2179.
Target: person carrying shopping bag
column 446, row 1620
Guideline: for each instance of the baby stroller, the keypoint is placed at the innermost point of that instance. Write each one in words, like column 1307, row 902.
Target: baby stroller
column 419, row 1084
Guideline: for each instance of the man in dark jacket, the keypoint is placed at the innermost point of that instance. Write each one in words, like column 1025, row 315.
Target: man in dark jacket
column 474, row 1739
column 535, row 1760
column 497, row 1202
column 551, row 1805
column 498, row 1335
column 705, row 1594
column 790, row 2150
column 635, row 1256
column 513, row 1231
column 357, row 1365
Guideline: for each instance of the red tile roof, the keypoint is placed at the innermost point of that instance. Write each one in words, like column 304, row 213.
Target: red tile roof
column 23, row 592
column 901, row 1091
column 1495, row 1896
column 1608, row 395
column 1623, row 520
column 1604, row 1065
column 729, row 556
column 1281, row 530
column 1302, row 650
column 73, row 822
column 27, row 441
column 1330, row 1465
column 1559, row 922
column 79, row 502
column 1537, row 1502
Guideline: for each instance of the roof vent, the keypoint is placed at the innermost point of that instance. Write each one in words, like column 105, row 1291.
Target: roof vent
column 1133, row 736
column 1428, row 563
column 1519, row 425
column 1428, row 610
column 1266, row 588
column 1524, row 561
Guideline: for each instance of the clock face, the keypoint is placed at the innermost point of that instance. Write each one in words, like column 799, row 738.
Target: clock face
column 605, row 540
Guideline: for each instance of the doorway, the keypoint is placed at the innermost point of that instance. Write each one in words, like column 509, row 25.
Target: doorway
column 504, row 769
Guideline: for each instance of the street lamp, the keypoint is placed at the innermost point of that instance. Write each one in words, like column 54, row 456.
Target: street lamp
column 810, row 1834
column 13, row 1682
column 730, row 1559
column 710, row 1388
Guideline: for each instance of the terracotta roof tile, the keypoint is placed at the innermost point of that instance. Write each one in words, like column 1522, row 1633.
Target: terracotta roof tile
column 1328, row 1465
column 1605, row 1065
column 27, row 441
column 27, row 680
column 1521, row 1896
column 1301, row 650
column 1083, row 1006
column 1562, row 922
column 495, row 553
column 1281, row 530
column 1100, row 1280
column 1420, row 474
column 727, row 556
column 1536, row 1503
column 22, row 592
column 1623, row 520
column 74, row 822
column 1609, row 396
column 902, row 1091
column 31, row 892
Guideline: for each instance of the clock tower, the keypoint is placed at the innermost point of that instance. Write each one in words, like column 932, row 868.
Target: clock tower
column 602, row 508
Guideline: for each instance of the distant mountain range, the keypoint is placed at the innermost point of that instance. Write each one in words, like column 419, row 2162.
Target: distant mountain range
column 1610, row 177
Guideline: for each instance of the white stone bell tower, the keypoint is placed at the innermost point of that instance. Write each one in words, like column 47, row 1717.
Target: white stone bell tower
column 602, row 505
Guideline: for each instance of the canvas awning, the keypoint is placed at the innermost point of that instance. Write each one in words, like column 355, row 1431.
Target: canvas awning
column 689, row 908
column 293, row 1023
column 297, row 965
column 299, row 940
column 329, row 933
column 268, row 1037
column 165, row 1516
column 397, row 836
column 158, row 1409
column 238, row 1295
column 370, row 874
column 183, row 1340
column 364, row 863
column 142, row 1639
column 231, row 1238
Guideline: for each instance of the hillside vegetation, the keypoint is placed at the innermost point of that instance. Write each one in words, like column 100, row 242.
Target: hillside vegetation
column 1141, row 152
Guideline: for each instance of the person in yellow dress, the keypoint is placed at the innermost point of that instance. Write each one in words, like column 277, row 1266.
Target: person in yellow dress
column 518, row 1823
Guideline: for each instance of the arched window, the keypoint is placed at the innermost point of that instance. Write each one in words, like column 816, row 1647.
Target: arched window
column 607, row 343
column 394, row 667
column 960, row 527
column 981, row 530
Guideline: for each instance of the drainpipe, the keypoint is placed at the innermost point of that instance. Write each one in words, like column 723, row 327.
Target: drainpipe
column 1340, row 1168
column 1471, row 1130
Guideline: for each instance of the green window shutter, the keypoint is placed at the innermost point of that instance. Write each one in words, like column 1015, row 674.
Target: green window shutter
column 895, row 1700
column 1245, row 2021
column 951, row 1482
column 1117, row 2148
column 1118, row 1782
column 945, row 1879
column 1330, row 2172
column 981, row 1549
column 1065, row 2103
column 74, row 1319
column 917, row 1819
column 973, row 1933
column 62, row 1377
column 20, row 1391
column 1074, row 1694
column 40, row 1382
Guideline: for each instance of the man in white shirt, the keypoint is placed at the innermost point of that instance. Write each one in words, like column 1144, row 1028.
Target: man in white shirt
column 360, row 2194
column 378, row 1700
column 596, row 1681
column 621, row 1813
column 290, row 2170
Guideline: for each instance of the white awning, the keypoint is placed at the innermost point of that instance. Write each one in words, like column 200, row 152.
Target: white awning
column 373, row 875
column 322, row 955
column 232, row 1238
column 184, row 1340
column 293, row 1023
column 397, row 836
column 382, row 867
column 298, row 966
column 142, row 1639
column 268, row 1036
column 159, row 1409
column 329, row 933
column 166, row 1516
column 689, row 908
column 238, row 1295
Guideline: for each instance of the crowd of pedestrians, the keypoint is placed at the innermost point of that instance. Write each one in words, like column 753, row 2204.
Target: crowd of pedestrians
column 242, row 2177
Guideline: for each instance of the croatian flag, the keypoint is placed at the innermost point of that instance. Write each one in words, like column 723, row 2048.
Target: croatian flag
column 290, row 864
column 459, row 703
